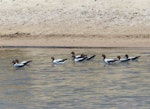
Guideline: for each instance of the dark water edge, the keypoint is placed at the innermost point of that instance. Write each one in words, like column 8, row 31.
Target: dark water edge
column 75, row 47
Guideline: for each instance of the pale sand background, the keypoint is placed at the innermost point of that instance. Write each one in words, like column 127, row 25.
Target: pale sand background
column 96, row 23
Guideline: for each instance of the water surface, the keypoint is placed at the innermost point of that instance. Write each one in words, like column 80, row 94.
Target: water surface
column 86, row 85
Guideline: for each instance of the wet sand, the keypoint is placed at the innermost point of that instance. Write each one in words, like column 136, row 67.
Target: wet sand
column 72, row 40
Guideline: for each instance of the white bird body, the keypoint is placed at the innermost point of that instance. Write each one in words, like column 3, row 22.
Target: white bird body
column 58, row 61
column 78, row 56
column 16, row 63
column 79, row 59
column 122, row 59
column 108, row 61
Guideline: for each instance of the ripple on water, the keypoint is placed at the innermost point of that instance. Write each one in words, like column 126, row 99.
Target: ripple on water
column 86, row 85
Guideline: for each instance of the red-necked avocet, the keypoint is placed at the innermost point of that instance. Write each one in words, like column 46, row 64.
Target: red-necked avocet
column 58, row 61
column 79, row 59
column 131, row 58
column 108, row 61
column 82, row 56
column 76, row 56
column 18, row 64
column 122, row 59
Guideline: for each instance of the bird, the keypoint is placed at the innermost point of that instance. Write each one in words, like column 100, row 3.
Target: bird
column 76, row 56
column 108, row 61
column 88, row 57
column 131, row 58
column 82, row 56
column 122, row 59
column 58, row 61
column 79, row 59
column 18, row 64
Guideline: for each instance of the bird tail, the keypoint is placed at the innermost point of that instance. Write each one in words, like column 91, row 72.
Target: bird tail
column 91, row 57
column 28, row 62
column 65, row 59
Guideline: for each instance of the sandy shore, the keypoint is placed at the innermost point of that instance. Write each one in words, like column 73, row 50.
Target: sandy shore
column 94, row 23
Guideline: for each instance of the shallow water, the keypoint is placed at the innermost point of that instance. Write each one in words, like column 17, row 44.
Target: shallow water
column 86, row 85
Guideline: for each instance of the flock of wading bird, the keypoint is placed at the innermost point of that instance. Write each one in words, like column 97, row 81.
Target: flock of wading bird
column 80, row 58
